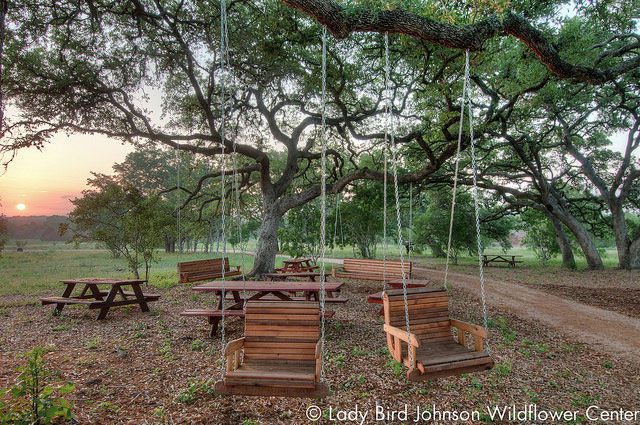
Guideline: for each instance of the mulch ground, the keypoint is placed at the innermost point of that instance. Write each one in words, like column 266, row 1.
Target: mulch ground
column 136, row 367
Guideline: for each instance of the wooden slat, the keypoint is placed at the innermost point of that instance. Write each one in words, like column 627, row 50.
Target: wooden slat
column 82, row 301
column 212, row 313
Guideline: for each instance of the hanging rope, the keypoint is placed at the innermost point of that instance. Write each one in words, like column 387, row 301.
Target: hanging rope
column 394, row 163
column 335, row 224
column 385, row 159
column 178, row 200
column 323, row 197
column 476, row 204
column 455, row 173
column 223, row 66
column 411, row 235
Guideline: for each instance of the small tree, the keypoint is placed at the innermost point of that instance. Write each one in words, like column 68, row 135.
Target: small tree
column 300, row 233
column 117, row 214
column 432, row 227
column 362, row 217
column 540, row 236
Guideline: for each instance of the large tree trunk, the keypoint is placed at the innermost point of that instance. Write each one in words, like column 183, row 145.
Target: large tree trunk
column 568, row 259
column 634, row 254
column 584, row 239
column 621, row 235
column 267, row 247
column 437, row 251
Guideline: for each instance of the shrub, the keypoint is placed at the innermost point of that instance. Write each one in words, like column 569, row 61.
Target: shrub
column 36, row 397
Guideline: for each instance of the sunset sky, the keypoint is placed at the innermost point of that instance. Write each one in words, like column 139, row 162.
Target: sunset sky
column 44, row 181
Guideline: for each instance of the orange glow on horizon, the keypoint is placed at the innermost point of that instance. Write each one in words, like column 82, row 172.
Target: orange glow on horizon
column 43, row 182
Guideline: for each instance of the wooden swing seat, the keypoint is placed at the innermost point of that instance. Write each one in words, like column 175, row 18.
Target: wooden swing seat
column 280, row 354
column 436, row 352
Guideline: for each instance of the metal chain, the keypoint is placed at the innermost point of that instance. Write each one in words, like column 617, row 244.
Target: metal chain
column 455, row 174
column 178, row 201
column 394, row 166
column 410, row 221
column 323, row 198
column 223, row 65
column 474, row 167
column 336, row 211
column 387, row 111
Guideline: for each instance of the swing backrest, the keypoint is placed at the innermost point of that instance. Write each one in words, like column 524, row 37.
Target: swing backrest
column 281, row 331
column 428, row 312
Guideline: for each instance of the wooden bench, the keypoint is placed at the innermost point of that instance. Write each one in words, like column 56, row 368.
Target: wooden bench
column 215, row 316
column 280, row 354
column 193, row 271
column 359, row 269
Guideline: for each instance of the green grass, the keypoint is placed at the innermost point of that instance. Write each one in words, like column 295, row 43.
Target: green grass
column 37, row 272
column 39, row 269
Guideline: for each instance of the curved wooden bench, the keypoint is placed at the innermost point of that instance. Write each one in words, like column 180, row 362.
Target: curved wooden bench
column 380, row 270
column 197, row 270
column 435, row 352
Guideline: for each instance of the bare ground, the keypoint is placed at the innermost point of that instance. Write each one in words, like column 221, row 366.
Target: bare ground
column 132, row 367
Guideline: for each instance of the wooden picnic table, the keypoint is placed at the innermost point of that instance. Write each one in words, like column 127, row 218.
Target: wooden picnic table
column 297, row 265
column 284, row 276
column 512, row 260
column 93, row 297
column 259, row 290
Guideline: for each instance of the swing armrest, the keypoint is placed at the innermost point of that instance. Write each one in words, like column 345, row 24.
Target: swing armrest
column 479, row 333
column 232, row 354
column 410, row 338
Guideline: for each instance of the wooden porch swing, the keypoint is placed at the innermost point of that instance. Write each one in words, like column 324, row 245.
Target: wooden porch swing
column 431, row 350
column 420, row 333
column 280, row 354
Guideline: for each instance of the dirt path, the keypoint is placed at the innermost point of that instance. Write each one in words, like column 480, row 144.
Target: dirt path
column 609, row 331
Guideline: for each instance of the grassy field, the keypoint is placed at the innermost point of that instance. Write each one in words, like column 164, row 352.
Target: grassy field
column 44, row 264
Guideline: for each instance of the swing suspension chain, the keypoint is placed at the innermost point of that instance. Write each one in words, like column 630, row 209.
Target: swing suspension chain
column 410, row 221
column 455, row 173
column 335, row 225
column 178, row 199
column 385, row 159
column 223, row 63
column 474, row 168
column 323, row 198
column 394, row 167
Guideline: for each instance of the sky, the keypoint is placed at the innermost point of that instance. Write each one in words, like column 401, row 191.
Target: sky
column 44, row 181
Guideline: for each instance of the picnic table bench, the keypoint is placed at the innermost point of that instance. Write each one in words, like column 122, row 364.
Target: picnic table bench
column 286, row 275
column 297, row 265
column 93, row 297
column 259, row 290
column 512, row 260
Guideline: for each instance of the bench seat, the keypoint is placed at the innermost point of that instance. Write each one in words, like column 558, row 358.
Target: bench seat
column 378, row 270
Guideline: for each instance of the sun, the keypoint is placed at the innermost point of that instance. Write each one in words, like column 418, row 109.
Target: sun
column 21, row 207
